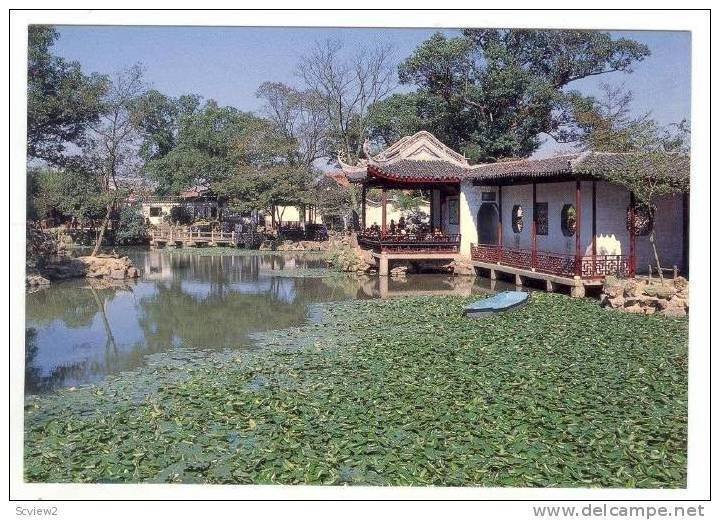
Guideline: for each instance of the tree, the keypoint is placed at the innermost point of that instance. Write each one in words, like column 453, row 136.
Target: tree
column 347, row 89
column 492, row 93
column 114, row 141
column 298, row 116
column 61, row 101
column 331, row 199
column 212, row 143
column 654, row 159
column 159, row 121
column 131, row 226
column 258, row 188
column 54, row 192
column 397, row 116
column 607, row 125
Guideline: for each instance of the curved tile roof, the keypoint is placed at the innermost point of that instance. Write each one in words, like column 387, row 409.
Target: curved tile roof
column 419, row 171
column 440, row 164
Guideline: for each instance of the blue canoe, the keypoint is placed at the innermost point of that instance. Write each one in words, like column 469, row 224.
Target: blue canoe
column 503, row 301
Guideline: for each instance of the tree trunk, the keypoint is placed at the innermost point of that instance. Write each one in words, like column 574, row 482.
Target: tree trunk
column 104, row 224
column 657, row 259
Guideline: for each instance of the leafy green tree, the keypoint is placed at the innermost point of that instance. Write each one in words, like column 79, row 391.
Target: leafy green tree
column 180, row 215
column 131, row 228
column 492, row 93
column 159, row 121
column 212, row 143
column 331, row 199
column 61, row 100
column 397, row 116
column 54, row 192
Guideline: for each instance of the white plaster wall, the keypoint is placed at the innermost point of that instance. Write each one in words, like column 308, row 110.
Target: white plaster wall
column 612, row 203
column 470, row 200
column 521, row 195
column 165, row 208
column 292, row 214
column 668, row 235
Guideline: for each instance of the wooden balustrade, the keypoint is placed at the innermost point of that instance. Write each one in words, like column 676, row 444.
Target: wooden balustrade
column 560, row 264
column 187, row 236
column 410, row 242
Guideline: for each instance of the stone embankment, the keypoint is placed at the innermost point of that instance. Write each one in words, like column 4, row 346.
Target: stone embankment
column 289, row 245
column 647, row 296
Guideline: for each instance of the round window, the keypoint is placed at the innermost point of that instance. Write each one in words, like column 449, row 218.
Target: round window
column 644, row 220
column 568, row 220
column 518, row 221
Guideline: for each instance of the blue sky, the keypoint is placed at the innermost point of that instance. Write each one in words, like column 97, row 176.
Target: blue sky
column 229, row 63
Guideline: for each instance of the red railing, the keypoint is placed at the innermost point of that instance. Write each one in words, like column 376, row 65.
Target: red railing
column 410, row 243
column 560, row 264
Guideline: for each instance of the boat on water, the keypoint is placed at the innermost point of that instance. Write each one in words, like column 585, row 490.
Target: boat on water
column 504, row 301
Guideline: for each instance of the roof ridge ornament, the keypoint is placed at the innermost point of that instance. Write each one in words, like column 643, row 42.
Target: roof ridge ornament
column 429, row 148
column 349, row 168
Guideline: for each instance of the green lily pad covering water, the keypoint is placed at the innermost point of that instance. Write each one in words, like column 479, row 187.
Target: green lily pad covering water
column 393, row 392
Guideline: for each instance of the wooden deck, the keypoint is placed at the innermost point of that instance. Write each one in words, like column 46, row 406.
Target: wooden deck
column 577, row 272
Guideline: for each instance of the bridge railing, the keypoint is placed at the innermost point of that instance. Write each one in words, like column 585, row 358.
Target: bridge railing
column 186, row 235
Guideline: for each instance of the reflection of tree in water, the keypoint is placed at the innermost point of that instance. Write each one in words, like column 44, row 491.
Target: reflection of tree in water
column 196, row 302
column 76, row 306
column 222, row 319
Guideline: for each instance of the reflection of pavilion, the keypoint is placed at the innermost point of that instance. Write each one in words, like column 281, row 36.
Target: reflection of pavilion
column 418, row 285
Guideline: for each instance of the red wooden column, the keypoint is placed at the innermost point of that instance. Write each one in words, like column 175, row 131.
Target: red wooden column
column 432, row 207
column 384, row 211
column 533, row 228
column 631, row 259
column 500, row 221
column 363, row 223
column 578, row 213
column 594, row 226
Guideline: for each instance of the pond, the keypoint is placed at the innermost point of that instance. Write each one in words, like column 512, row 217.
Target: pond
column 77, row 333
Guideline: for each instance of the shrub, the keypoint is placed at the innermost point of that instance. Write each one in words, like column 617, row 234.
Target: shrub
column 131, row 227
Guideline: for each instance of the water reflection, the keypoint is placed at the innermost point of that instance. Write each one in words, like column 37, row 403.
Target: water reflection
column 78, row 332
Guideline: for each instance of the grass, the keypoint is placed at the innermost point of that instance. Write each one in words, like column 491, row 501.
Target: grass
column 393, row 392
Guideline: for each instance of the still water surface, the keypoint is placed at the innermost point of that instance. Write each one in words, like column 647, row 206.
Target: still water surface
column 77, row 333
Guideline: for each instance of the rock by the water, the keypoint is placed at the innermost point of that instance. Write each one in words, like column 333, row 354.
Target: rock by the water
column 104, row 266
column 461, row 268
column 36, row 280
column 646, row 296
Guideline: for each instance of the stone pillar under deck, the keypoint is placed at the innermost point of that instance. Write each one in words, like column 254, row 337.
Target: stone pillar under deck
column 383, row 262
column 577, row 290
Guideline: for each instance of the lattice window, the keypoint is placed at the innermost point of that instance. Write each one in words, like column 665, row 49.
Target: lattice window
column 541, row 218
